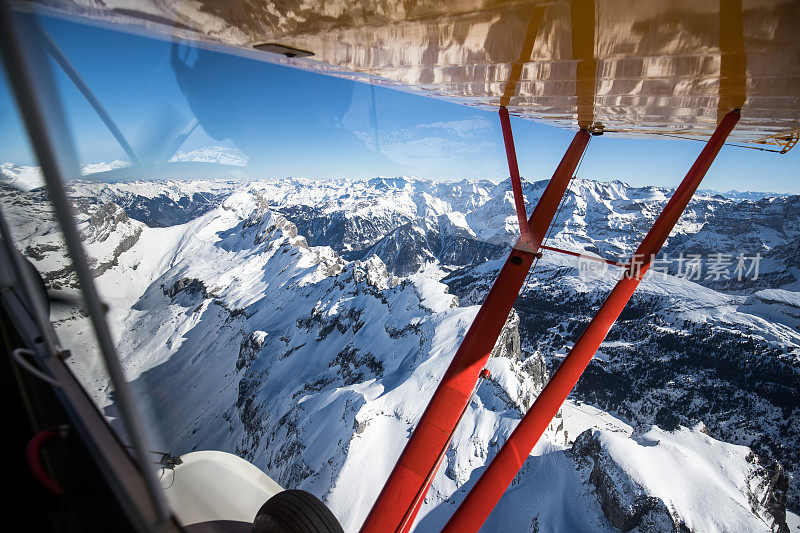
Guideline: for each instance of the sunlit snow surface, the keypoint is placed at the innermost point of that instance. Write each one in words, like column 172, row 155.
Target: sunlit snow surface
column 239, row 336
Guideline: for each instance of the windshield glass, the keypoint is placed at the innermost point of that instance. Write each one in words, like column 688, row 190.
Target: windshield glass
column 290, row 257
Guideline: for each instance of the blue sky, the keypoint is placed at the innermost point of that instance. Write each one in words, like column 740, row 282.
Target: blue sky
column 290, row 122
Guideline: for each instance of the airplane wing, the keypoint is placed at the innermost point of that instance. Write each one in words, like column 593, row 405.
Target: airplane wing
column 619, row 67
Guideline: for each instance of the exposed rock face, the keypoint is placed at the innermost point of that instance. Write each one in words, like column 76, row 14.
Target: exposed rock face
column 108, row 226
column 624, row 502
column 103, row 222
column 187, row 285
column 508, row 343
column 630, row 500
column 106, row 230
column 529, row 373
column 768, row 487
column 249, row 348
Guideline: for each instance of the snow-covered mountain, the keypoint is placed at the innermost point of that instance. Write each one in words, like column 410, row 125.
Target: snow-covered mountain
column 304, row 324
column 26, row 177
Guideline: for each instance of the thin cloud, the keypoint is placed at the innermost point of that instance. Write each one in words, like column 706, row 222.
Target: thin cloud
column 446, row 148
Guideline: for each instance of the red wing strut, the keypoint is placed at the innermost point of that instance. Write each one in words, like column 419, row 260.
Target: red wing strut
column 480, row 501
column 516, row 182
column 398, row 502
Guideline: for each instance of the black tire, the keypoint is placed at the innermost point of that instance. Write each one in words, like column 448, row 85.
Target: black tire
column 295, row 511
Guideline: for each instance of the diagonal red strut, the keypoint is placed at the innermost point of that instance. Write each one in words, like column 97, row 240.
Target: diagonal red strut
column 401, row 497
column 494, row 481
column 516, row 181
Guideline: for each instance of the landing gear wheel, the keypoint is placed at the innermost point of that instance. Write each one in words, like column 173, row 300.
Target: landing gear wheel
column 295, row 511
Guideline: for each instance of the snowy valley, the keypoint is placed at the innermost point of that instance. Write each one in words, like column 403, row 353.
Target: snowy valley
column 304, row 325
